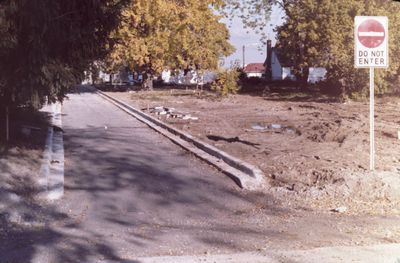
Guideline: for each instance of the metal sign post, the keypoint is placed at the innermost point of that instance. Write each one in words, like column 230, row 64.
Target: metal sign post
column 372, row 118
column 371, row 51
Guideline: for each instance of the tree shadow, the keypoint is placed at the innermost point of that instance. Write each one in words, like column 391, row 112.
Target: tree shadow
column 126, row 192
column 27, row 222
column 155, row 191
column 232, row 140
column 28, row 234
column 129, row 192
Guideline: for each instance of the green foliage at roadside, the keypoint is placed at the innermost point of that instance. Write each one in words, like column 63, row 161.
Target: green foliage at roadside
column 321, row 33
column 226, row 82
column 46, row 45
column 159, row 34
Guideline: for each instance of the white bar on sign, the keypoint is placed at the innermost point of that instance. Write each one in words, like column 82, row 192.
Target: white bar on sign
column 371, row 34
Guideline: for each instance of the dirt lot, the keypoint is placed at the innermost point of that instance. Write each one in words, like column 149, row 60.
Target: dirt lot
column 315, row 153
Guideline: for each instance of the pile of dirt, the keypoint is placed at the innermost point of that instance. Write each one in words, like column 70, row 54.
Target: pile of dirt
column 313, row 153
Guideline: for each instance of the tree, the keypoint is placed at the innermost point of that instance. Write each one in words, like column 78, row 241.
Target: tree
column 46, row 45
column 321, row 33
column 174, row 34
column 304, row 35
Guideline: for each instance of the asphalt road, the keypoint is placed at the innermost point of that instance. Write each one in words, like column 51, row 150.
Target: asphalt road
column 133, row 196
column 130, row 192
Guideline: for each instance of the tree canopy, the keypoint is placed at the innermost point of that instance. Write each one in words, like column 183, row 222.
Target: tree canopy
column 46, row 45
column 175, row 34
column 321, row 33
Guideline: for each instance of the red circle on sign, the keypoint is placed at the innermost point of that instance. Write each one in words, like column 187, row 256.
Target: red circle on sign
column 371, row 33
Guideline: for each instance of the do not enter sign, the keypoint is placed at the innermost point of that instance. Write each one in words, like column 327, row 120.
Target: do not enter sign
column 371, row 51
column 371, row 33
column 371, row 42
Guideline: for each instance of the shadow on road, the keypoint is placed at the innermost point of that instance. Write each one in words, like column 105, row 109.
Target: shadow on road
column 130, row 193
column 139, row 192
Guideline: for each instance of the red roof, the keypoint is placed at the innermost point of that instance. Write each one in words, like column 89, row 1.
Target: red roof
column 254, row 68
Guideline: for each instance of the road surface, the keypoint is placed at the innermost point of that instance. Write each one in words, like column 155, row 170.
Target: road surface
column 131, row 194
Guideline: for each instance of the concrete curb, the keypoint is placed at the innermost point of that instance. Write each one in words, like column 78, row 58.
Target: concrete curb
column 51, row 179
column 245, row 175
column 45, row 167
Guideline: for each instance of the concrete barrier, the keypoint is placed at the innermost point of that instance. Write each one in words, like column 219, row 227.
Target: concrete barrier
column 246, row 175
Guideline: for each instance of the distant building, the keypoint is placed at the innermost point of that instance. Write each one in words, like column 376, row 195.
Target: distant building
column 121, row 77
column 317, row 75
column 125, row 76
column 279, row 68
column 255, row 70
column 276, row 66
column 191, row 78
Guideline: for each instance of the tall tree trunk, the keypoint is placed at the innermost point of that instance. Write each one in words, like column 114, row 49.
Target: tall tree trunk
column 147, row 81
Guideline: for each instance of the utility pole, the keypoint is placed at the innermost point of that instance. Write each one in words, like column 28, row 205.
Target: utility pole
column 244, row 56
column 244, row 51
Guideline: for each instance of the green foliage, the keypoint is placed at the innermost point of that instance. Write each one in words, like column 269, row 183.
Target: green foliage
column 46, row 45
column 304, row 35
column 321, row 33
column 159, row 34
column 226, row 82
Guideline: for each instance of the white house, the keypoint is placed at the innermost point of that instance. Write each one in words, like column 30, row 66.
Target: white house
column 191, row 78
column 254, row 70
column 279, row 68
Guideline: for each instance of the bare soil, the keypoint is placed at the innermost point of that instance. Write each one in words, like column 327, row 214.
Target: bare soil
column 313, row 152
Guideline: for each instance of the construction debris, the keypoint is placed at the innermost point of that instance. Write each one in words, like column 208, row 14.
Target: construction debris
column 272, row 127
column 340, row 210
column 170, row 113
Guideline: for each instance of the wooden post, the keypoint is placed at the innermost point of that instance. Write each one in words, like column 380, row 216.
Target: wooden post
column 7, row 124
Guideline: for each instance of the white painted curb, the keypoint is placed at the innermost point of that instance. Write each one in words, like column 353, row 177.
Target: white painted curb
column 51, row 180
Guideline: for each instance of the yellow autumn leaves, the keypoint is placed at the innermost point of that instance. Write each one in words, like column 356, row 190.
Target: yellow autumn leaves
column 175, row 34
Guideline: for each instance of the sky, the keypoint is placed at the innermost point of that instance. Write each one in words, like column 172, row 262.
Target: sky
column 255, row 51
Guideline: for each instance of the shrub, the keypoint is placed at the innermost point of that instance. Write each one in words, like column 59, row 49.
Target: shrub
column 226, row 82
